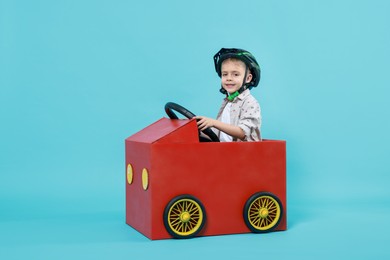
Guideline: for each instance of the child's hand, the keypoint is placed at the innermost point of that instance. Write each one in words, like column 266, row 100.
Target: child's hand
column 204, row 122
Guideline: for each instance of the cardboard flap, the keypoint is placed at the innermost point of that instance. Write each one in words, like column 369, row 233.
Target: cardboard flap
column 168, row 130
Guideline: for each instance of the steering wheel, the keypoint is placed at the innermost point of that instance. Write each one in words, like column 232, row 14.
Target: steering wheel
column 170, row 106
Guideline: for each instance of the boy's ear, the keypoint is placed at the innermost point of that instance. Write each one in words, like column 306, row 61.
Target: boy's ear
column 248, row 78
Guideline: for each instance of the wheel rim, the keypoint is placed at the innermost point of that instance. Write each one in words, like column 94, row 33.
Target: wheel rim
column 185, row 217
column 264, row 213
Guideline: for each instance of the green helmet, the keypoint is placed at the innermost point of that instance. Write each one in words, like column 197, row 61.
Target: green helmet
column 244, row 56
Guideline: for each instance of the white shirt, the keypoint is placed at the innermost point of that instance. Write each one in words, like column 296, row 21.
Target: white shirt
column 225, row 118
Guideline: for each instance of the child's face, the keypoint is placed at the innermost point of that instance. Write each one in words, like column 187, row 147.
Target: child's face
column 232, row 75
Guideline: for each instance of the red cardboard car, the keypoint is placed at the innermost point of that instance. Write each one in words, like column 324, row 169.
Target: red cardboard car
column 179, row 186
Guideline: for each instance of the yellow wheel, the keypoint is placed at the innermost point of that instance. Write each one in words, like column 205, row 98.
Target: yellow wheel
column 262, row 212
column 184, row 216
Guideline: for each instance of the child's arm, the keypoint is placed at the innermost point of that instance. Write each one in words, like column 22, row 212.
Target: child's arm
column 234, row 131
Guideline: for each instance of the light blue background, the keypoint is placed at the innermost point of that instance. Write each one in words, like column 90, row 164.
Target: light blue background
column 78, row 77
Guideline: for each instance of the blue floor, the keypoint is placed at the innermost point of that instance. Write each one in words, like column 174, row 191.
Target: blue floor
column 328, row 231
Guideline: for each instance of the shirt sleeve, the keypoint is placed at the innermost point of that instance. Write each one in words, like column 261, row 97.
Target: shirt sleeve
column 250, row 119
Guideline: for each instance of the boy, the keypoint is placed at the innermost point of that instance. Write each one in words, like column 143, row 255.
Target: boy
column 239, row 117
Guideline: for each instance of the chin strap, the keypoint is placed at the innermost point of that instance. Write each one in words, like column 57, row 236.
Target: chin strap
column 233, row 96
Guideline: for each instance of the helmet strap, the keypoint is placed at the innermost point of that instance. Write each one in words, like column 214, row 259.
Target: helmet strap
column 233, row 96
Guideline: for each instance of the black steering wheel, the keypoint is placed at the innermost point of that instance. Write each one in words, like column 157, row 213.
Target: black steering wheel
column 170, row 106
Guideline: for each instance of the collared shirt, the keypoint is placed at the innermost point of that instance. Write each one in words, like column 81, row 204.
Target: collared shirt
column 245, row 113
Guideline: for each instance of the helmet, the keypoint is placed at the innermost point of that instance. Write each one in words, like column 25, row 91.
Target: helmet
column 242, row 55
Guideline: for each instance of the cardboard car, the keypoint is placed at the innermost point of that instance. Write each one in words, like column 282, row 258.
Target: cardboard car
column 180, row 186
